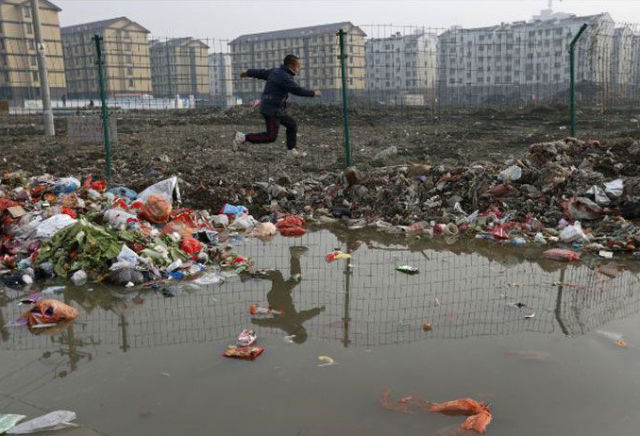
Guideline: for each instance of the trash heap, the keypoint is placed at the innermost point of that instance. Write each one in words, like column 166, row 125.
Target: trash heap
column 583, row 193
column 57, row 226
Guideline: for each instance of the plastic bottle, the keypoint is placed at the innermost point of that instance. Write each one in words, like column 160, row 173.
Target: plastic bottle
column 260, row 310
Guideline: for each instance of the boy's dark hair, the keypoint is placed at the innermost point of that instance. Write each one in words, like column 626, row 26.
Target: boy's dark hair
column 290, row 60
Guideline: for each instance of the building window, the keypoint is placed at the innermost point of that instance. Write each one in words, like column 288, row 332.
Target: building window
column 27, row 12
column 33, row 60
column 35, row 76
column 131, row 83
column 29, row 29
column 32, row 44
column 2, row 46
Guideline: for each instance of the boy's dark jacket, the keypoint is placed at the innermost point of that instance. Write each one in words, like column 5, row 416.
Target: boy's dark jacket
column 279, row 84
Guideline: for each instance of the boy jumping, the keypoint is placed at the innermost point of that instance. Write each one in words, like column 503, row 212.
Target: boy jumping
column 274, row 102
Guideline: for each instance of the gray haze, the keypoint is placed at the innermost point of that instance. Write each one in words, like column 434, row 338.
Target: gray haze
column 225, row 20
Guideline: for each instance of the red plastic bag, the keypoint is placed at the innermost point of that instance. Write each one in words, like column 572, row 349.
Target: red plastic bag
column 499, row 233
column 292, row 231
column 157, row 209
column 72, row 213
column 561, row 254
column 98, row 185
column 291, row 225
column 290, row 221
column 191, row 245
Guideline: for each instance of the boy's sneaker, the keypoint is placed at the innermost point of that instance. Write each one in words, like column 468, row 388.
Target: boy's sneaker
column 246, row 338
column 238, row 140
column 294, row 153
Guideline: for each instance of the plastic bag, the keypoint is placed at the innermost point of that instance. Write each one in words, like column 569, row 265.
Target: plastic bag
column 599, row 195
column 49, row 311
column 211, row 278
column 66, row 185
column 191, row 245
column 230, row 209
column 79, row 278
column 157, row 209
column 510, row 174
column 243, row 223
column 264, row 230
column 128, row 255
column 8, row 421
column 57, row 420
column 51, row 226
column 118, row 218
column 121, row 191
column 573, row 233
column 220, row 220
column 614, row 188
column 167, row 188
column 561, row 254
column 291, row 225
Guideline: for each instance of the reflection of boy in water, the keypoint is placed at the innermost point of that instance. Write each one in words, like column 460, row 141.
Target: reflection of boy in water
column 279, row 298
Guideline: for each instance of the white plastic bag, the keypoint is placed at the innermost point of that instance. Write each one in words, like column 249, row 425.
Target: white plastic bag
column 128, row 255
column 117, row 217
column 51, row 421
column 51, row 226
column 510, row 174
column 211, row 278
column 220, row 220
column 243, row 223
column 614, row 188
column 79, row 278
column 264, row 230
column 599, row 195
column 573, row 233
column 167, row 188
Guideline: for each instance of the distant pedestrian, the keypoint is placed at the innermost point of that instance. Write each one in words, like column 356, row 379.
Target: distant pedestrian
column 64, row 100
column 273, row 104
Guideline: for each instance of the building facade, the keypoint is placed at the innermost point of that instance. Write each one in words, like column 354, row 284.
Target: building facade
column 401, row 69
column 125, row 53
column 523, row 61
column 622, row 62
column 19, row 75
column 318, row 48
column 179, row 66
column 221, row 79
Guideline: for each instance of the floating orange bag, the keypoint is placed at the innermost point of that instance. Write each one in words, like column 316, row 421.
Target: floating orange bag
column 157, row 209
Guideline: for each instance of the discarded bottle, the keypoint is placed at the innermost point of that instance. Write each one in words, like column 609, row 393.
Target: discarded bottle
column 518, row 242
column 407, row 269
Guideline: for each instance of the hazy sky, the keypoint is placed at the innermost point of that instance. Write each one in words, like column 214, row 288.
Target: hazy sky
column 227, row 19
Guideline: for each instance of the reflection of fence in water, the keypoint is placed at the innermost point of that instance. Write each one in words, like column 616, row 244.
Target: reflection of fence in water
column 462, row 295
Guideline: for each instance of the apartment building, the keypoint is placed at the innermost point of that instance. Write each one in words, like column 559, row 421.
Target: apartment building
column 19, row 76
column 180, row 66
column 221, row 79
column 622, row 58
column 526, row 61
column 402, row 68
column 125, row 53
column 318, row 48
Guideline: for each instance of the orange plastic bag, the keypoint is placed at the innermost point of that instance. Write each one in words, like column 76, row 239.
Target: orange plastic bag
column 49, row 312
column 157, row 209
column 291, row 225
column 479, row 415
column 561, row 254
column 292, row 231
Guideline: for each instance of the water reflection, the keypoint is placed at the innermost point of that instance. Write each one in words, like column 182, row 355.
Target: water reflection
column 463, row 290
column 280, row 298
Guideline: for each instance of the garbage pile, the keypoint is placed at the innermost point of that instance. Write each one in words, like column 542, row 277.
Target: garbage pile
column 59, row 227
column 583, row 193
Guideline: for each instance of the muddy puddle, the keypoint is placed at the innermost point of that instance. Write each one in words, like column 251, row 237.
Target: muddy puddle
column 538, row 341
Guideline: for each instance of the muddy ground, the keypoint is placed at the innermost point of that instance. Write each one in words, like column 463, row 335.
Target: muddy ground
column 195, row 144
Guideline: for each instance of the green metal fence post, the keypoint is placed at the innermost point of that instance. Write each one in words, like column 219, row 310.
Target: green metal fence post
column 572, row 80
column 345, row 104
column 105, row 110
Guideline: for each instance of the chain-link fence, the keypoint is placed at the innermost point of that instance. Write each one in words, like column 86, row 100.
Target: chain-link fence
column 511, row 64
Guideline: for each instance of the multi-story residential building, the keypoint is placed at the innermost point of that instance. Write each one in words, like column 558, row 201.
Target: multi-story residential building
column 19, row 76
column 125, row 54
column 179, row 66
column 318, row 48
column 402, row 66
column 622, row 57
column 524, row 60
column 221, row 79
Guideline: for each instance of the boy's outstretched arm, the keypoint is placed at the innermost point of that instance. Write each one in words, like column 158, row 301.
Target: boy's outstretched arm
column 291, row 86
column 256, row 74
